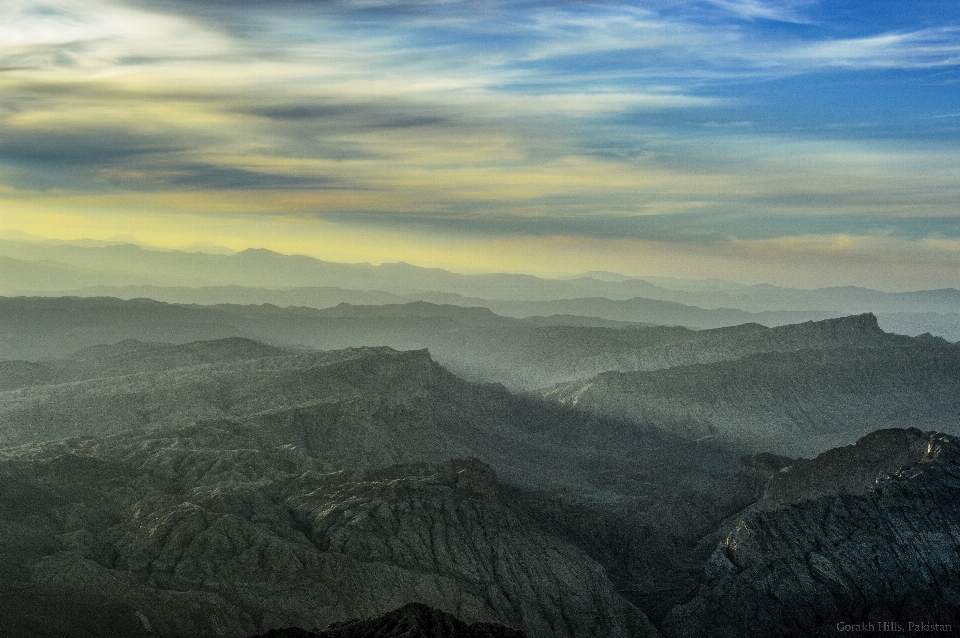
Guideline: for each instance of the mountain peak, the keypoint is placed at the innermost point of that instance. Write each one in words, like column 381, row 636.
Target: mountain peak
column 414, row 620
column 853, row 469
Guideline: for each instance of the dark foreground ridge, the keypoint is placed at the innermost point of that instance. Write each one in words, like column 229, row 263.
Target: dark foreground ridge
column 414, row 620
column 864, row 533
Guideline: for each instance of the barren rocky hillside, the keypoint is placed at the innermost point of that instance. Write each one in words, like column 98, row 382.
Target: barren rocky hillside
column 232, row 488
column 797, row 403
column 868, row 533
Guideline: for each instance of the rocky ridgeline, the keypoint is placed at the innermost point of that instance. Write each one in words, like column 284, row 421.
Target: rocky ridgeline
column 166, row 536
column 869, row 533
column 681, row 347
column 798, row 403
column 266, row 489
column 410, row 621
column 132, row 384
column 532, row 359
column 136, row 386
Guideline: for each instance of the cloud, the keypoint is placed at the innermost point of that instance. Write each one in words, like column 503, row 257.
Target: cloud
column 356, row 115
column 759, row 9
column 212, row 177
column 918, row 49
column 669, row 123
column 91, row 147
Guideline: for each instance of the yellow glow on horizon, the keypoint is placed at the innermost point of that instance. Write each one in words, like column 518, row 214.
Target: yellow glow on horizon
column 839, row 259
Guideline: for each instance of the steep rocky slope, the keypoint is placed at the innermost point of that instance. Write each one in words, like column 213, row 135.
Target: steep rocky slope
column 561, row 353
column 369, row 407
column 796, row 403
column 862, row 535
column 339, row 501
column 168, row 536
column 135, row 385
column 410, row 621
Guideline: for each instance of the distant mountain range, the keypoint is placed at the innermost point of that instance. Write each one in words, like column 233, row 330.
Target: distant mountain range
column 259, row 276
column 35, row 266
column 473, row 342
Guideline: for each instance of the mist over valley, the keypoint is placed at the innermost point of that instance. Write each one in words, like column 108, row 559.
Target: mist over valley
column 230, row 461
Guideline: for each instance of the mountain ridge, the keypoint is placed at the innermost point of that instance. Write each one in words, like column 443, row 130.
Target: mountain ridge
column 789, row 402
column 270, row 269
column 829, row 552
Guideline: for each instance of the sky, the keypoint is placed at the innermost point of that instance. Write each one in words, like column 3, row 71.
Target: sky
column 792, row 142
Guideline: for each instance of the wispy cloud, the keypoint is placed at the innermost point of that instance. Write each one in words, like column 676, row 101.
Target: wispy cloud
column 782, row 11
column 918, row 49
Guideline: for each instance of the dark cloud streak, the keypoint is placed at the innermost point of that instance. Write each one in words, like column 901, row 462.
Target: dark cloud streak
column 207, row 176
column 702, row 227
column 90, row 147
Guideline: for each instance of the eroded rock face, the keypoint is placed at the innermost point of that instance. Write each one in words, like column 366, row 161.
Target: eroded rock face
column 172, row 539
column 410, row 621
column 852, row 469
column 796, row 403
column 865, row 533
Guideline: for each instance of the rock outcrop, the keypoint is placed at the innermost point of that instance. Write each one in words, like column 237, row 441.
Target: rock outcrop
column 410, row 621
column 860, row 536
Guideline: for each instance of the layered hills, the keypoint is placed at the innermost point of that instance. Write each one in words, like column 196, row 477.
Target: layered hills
column 376, row 427
column 392, row 406
column 797, row 402
column 348, row 507
column 792, row 389
column 37, row 267
column 795, row 390
column 474, row 343
column 333, row 509
column 259, row 276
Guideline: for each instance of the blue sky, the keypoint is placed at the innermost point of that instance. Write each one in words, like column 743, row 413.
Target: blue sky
column 798, row 142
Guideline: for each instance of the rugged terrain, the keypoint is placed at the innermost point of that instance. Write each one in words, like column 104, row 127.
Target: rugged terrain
column 192, row 531
column 413, row 620
column 474, row 343
column 865, row 534
column 234, row 487
column 591, row 525
column 797, row 402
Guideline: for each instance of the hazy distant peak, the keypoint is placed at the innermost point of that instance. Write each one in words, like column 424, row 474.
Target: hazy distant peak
column 121, row 347
column 416, row 309
column 602, row 275
column 403, row 265
column 260, row 252
column 206, row 247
